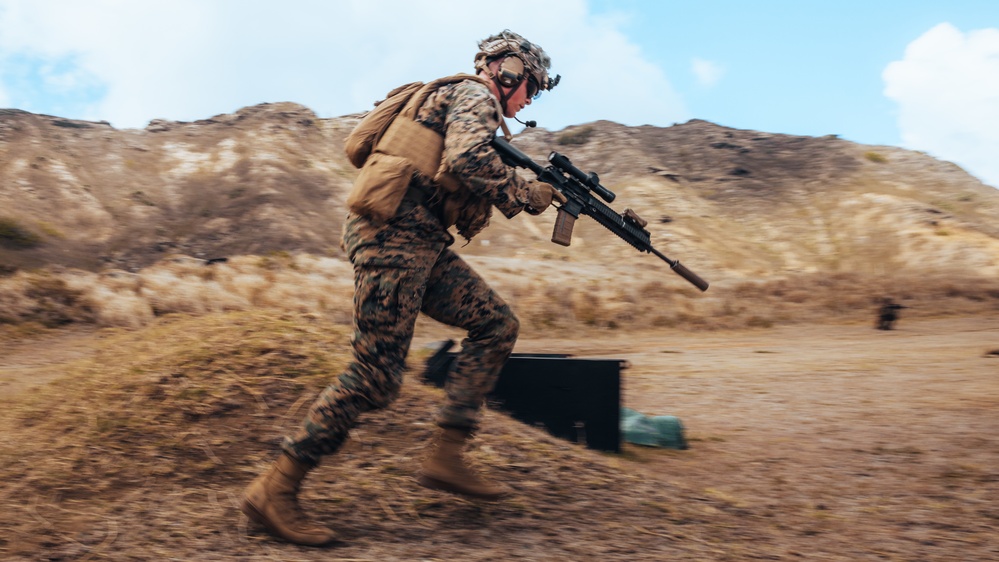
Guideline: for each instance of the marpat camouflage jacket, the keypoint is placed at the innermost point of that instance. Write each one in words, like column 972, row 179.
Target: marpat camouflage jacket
column 466, row 113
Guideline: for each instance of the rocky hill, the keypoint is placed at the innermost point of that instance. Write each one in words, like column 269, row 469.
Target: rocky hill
column 273, row 178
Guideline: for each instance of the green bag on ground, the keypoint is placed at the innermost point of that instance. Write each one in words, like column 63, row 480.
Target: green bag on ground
column 652, row 431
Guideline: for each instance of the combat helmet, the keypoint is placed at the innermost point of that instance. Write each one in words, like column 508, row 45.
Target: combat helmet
column 523, row 60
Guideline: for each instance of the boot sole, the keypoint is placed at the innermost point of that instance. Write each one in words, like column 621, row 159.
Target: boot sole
column 259, row 518
column 444, row 486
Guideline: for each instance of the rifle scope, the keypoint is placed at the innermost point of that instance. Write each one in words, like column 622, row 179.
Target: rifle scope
column 591, row 180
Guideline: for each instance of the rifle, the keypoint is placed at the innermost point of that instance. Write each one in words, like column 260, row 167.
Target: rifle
column 578, row 188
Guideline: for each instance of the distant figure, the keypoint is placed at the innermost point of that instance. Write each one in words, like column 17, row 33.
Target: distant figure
column 888, row 314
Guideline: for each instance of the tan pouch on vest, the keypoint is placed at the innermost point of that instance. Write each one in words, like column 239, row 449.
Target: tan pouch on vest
column 380, row 187
column 421, row 145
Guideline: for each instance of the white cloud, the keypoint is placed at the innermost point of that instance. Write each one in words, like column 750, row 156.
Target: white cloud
column 708, row 73
column 947, row 91
column 190, row 59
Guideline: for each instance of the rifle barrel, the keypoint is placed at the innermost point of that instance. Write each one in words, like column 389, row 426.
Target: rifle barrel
column 682, row 271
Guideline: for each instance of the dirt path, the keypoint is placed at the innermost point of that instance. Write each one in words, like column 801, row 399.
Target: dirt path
column 833, row 429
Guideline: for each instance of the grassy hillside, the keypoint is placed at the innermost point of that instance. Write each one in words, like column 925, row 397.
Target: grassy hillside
column 272, row 178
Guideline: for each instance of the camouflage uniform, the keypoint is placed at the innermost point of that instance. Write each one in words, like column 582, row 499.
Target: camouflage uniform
column 404, row 267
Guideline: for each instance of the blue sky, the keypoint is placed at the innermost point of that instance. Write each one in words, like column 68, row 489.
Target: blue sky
column 917, row 74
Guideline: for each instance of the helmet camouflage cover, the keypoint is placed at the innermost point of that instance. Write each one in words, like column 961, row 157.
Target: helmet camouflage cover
column 505, row 43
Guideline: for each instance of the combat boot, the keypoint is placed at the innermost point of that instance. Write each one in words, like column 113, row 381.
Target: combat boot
column 272, row 501
column 446, row 470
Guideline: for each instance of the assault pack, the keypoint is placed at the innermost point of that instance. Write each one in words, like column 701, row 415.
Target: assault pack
column 388, row 145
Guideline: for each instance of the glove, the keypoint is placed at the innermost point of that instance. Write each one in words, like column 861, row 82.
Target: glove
column 540, row 196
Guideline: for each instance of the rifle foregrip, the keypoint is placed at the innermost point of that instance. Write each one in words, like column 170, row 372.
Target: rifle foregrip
column 562, row 234
column 690, row 276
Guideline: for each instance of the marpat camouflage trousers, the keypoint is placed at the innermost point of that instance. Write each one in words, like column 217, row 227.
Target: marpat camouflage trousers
column 402, row 268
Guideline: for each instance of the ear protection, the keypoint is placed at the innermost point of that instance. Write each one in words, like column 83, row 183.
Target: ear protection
column 511, row 72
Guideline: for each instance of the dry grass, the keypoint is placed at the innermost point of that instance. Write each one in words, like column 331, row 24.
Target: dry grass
column 14, row 235
column 565, row 297
column 44, row 298
column 156, row 405
column 147, row 444
column 182, row 371
column 140, row 451
column 179, row 284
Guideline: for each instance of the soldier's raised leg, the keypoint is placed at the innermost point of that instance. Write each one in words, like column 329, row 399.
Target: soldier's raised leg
column 457, row 296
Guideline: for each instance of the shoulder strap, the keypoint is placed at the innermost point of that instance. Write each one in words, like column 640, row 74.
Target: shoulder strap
column 417, row 100
column 423, row 146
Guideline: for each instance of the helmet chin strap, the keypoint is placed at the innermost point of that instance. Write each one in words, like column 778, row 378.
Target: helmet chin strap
column 504, row 98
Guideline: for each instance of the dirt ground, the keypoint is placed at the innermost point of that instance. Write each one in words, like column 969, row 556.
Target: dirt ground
column 813, row 442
